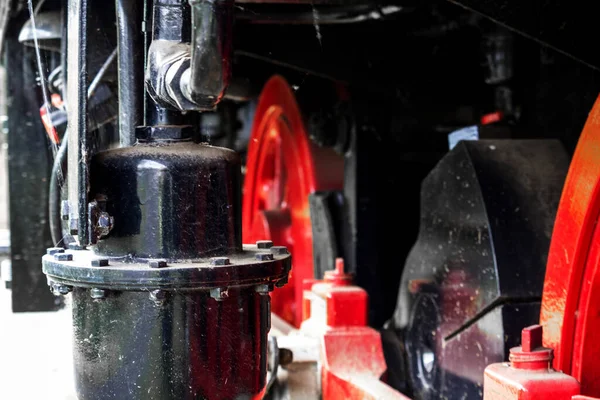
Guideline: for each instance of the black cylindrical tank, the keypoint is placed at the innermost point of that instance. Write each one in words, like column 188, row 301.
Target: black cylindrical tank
column 169, row 305
column 169, row 200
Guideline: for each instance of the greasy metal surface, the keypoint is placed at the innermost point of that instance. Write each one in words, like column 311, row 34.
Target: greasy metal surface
column 211, row 62
column 29, row 164
column 131, row 66
column 283, row 167
column 77, row 73
column 188, row 346
column 243, row 269
column 169, row 200
column 473, row 279
column 570, row 302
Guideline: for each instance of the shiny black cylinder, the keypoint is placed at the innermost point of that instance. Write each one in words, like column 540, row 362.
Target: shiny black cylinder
column 171, row 200
column 170, row 345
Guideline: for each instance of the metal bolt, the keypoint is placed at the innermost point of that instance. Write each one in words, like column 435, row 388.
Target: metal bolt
column 73, row 225
column 76, row 246
column 63, row 257
column 105, row 224
column 158, row 296
column 282, row 282
column 97, row 293
column 286, row 357
column 264, row 244
column 59, row 289
column 264, row 256
column 64, row 210
column 54, row 250
column 263, row 289
column 219, row 294
column 157, row 263
column 219, row 261
column 99, row 262
column 279, row 250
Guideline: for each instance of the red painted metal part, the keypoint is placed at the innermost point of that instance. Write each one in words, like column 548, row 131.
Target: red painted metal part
column 352, row 356
column 571, row 300
column 529, row 375
column 282, row 169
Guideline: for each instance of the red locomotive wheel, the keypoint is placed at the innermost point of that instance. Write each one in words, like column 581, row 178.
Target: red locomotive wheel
column 571, row 300
column 283, row 167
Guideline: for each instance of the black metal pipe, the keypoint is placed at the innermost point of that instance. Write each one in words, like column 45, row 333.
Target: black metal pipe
column 131, row 68
column 59, row 172
column 170, row 21
column 212, row 32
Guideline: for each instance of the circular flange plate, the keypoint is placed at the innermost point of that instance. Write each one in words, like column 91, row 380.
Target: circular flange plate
column 250, row 267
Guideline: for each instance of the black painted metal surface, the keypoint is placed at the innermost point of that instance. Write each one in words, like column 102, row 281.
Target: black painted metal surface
column 185, row 346
column 156, row 315
column 475, row 275
column 212, row 24
column 131, row 66
column 169, row 200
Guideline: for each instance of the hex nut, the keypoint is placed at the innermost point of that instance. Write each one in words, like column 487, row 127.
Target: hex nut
column 99, row 262
column 264, row 256
column 219, row 294
column 63, row 257
column 54, row 250
column 158, row 296
column 263, row 289
column 279, row 250
column 219, row 261
column 76, row 246
column 264, row 244
column 96, row 293
column 157, row 263
column 59, row 289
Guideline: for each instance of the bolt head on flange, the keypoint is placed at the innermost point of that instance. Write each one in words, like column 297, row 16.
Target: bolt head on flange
column 219, row 261
column 157, row 263
column 96, row 293
column 54, row 250
column 99, row 262
column 264, row 244
column 264, row 256
column 63, row 257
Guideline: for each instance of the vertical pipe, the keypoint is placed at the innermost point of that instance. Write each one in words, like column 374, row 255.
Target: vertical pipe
column 131, row 68
column 170, row 21
column 77, row 111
